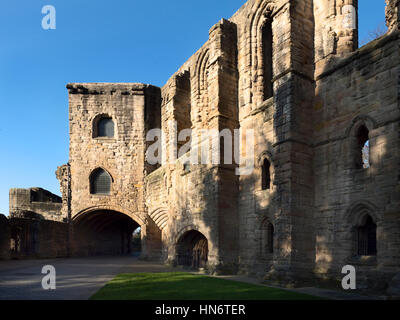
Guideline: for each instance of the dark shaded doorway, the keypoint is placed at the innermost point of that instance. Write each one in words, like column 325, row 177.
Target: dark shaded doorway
column 192, row 250
column 103, row 232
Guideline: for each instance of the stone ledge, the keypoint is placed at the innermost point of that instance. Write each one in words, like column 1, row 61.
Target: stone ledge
column 108, row 88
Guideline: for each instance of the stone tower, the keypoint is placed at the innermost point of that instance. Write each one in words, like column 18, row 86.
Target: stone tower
column 108, row 127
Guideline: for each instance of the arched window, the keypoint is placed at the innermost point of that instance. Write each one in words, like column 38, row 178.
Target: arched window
column 363, row 148
column 105, row 128
column 267, row 48
column 366, row 238
column 100, row 182
column 266, row 175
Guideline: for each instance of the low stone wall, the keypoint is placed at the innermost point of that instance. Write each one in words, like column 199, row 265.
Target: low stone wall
column 37, row 239
column 4, row 238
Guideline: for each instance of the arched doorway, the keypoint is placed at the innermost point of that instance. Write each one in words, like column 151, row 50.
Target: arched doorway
column 192, row 250
column 103, row 232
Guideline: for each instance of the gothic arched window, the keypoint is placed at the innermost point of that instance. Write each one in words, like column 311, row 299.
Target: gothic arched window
column 266, row 175
column 267, row 54
column 100, row 182
column 363, row 148
column 366, row 238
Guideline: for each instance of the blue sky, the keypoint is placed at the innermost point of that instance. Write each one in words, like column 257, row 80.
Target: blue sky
column 95, row 41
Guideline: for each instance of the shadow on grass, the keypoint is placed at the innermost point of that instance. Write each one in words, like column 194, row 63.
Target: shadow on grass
column 186, row 286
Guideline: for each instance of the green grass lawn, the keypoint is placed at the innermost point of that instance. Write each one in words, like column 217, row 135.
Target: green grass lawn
column 187, row 286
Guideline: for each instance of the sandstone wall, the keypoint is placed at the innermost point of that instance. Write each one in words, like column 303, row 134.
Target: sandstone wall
column 201, row 95
column 392, row 14
column 360, row 89
column 4, row 237
column 122, row 156
column 134, row 109
column 37, row 239
column 323, row 87
column 37, row 202
column 282, row 131
column 287, row 130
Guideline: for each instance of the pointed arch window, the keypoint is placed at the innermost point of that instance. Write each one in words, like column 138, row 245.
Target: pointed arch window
column 363, row 148
column 100, row 182
column 267, row 55
column 266, row 175
column 366, row 238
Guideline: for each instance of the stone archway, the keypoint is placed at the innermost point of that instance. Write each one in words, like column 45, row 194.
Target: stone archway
column 103, row 232
column 192, row 250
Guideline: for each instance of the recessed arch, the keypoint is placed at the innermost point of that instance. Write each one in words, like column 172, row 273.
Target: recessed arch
column 358, row 210
column 358, row 121
column 261, row 15
column 160, row 217
column 362, row 223
column 99, row 231
column 192, row 249
column 114, row 208
column 202, row 76
column 184, row 230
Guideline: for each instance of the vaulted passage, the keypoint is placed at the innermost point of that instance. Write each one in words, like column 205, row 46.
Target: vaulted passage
column 103, row 233
column 192, row 250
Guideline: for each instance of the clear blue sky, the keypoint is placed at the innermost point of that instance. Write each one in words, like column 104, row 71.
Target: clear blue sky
column 95, row 41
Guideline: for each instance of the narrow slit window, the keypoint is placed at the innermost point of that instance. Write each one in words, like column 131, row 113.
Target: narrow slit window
column 270, row 238
column 365, row 155
column 266, row 175
column 363, row 148
column 267, row 48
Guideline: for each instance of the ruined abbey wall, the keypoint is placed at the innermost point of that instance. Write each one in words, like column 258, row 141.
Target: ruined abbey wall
column 323, row 87
column 36, row 203
column 292, row 72
column 361, row 89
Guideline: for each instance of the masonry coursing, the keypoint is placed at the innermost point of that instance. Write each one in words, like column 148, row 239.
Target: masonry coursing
column 324, row 89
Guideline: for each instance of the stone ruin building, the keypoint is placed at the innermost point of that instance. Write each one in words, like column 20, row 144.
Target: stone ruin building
column 325, row 191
